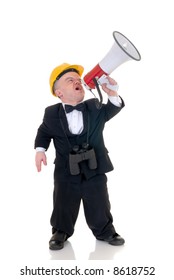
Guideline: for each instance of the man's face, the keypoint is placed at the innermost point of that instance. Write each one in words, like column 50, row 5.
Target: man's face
column 70, row 89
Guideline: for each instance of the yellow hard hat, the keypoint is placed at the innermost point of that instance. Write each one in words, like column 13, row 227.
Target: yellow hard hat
column 62, row 69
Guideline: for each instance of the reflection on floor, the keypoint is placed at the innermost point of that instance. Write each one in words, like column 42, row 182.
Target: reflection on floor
column 102, row 251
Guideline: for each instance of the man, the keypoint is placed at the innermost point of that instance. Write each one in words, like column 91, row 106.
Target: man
column 81, row 156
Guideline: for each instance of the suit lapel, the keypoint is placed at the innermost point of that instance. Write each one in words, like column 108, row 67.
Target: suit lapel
column 85, row 120
column 63, row 120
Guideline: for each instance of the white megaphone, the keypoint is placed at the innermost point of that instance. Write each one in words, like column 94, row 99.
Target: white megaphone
column 121, row 51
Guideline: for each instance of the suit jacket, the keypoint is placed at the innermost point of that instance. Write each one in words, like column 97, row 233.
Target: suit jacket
column 55, row 127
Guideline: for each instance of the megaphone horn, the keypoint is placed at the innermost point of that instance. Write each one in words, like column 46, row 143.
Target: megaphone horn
column 121, row 51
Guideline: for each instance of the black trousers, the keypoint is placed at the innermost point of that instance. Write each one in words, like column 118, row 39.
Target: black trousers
column 93, row 193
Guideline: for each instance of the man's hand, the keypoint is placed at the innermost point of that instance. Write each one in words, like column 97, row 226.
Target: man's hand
column 39, row 158
column 110, row 92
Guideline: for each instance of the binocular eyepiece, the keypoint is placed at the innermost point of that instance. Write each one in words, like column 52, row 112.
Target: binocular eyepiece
column 79, row 154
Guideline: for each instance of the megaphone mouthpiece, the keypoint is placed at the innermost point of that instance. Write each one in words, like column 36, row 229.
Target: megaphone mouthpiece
column 96, row 72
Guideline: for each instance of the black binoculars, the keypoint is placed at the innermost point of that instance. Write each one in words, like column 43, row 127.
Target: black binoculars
column 79, row 154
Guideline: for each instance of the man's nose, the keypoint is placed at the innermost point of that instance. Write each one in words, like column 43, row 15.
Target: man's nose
column 77, row 81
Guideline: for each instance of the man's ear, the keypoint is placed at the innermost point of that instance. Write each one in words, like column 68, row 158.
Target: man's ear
column 58, row 93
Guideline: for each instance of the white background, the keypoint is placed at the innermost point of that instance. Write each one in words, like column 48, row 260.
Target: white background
column 36, row 36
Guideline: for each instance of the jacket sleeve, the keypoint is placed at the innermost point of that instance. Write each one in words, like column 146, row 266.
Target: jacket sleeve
column 111, row 110
column 44, row 136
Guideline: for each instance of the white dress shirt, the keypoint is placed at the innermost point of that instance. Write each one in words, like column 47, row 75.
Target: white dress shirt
column 75, row 119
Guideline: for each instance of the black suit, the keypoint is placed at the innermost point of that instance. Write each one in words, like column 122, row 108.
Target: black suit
column 91, row 184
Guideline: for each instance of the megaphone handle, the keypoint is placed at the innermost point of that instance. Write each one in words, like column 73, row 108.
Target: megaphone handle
column 103, row 80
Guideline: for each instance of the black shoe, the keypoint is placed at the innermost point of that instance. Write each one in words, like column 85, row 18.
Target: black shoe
column 115, row 240
column 57, row 240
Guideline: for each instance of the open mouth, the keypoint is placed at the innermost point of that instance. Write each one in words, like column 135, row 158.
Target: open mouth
column 77, row 88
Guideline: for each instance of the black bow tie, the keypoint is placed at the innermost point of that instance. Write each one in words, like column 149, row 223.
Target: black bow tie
column 70, row 108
